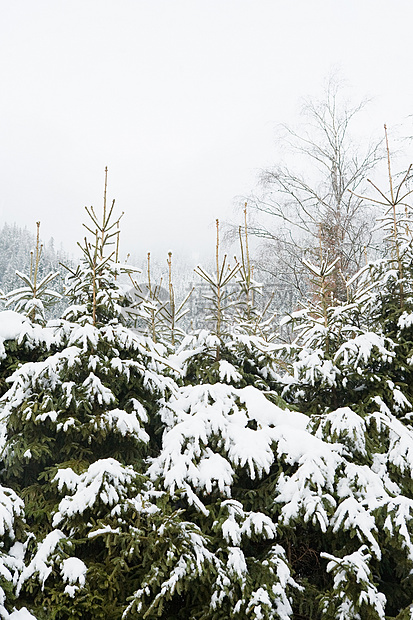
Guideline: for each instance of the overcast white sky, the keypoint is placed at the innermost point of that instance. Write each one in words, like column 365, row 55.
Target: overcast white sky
column 179, row 98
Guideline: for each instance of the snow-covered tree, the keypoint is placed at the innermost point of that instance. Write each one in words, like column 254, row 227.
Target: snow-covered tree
column 36, row 294
column 351, row 373
column 77, row 428
column 18, row 256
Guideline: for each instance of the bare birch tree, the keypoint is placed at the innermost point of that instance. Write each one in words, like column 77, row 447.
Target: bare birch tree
column 312, row 212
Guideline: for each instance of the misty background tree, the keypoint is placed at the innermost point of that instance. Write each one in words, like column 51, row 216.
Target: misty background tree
column 304, row 209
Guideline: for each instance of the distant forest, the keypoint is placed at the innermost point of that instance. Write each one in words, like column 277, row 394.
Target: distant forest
column 17, row 247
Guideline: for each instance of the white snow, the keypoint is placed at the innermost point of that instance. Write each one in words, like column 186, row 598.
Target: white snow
column 240, row 523
column 11, row 325
column 95, row 390
column 105, row 480
column 21, row 614
column 10, row 506
column 360, row 348
column 41, row 562
column 354, row 568
column 236, row 561
column 122, row 421
column 73, row 571
column 346, row 426
column 228, row 372
column 405, row 320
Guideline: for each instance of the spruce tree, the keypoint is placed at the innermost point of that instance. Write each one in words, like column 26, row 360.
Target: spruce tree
column 77, row 438
column 351, row 374
column 36, row 294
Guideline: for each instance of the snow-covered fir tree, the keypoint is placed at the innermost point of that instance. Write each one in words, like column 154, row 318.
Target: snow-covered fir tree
column 74, row 453
column 19, row 252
